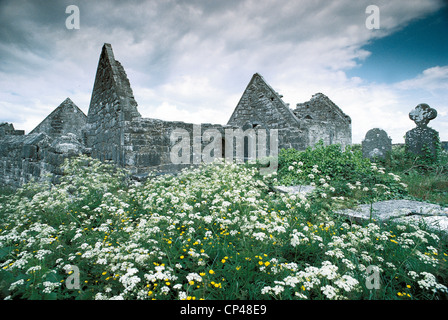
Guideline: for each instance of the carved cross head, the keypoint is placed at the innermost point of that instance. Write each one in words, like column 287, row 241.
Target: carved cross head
column 422, row 114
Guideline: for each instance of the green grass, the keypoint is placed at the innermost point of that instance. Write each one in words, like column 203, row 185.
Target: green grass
column 426, row 180
column 215, row 232
column 340, row 173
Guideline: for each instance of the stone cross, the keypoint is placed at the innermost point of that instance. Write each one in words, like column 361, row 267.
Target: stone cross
column 422, row 114
column 422, row 136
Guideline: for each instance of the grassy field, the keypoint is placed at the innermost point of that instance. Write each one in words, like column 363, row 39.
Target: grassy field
column 220, row 232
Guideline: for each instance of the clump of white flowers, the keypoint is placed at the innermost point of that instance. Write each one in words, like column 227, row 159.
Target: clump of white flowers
column 326, row 280
column 198, row 235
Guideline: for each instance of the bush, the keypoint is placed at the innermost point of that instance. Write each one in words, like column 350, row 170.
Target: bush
column 426, row 180
column 340, row 172
column 215, row 232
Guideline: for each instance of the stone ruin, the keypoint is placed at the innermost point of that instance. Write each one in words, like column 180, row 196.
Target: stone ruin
column 115, row 130
column 262, row 107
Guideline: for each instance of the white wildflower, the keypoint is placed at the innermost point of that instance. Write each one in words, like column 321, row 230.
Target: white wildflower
column 346, row 282
column 259, row 235
column 329, row 291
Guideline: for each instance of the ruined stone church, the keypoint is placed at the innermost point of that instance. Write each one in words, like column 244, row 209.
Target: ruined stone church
column 114, row 129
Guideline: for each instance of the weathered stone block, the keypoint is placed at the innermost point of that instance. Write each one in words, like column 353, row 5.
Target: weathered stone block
column 29, row 152
column 148, row 159
column 422, row 136
column 376, row 144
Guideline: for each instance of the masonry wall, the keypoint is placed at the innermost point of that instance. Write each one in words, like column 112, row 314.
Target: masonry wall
column 147, row 144
column 66, row 118
column 324, row 120
column 329, row 132
column 261, row 106
column 114, row 130
column 32, row 156
column 112, row 105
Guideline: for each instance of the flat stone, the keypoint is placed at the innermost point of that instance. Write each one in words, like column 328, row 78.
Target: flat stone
column 407, row 211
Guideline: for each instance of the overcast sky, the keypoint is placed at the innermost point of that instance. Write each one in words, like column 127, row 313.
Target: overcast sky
column 190, row 60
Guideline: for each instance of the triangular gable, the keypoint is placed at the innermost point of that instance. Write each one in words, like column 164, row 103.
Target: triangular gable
column 112, row 95
column 320, row 107
column 66, row 118
column 260, row 103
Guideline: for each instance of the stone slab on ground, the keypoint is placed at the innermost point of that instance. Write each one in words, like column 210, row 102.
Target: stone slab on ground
column 407, row 211
column 433, row 222
column 434, row 216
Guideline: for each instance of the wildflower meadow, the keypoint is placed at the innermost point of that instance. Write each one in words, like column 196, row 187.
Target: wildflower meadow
column 217, row 231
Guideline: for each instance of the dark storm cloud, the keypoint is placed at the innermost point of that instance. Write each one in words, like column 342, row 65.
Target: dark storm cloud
column 191, row 58
column 26, row 33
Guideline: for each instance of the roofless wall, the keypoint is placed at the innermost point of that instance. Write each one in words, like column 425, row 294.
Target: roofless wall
column 114, row 130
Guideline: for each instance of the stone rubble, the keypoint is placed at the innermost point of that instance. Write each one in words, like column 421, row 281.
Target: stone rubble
column 303, row 189
column 434, row 216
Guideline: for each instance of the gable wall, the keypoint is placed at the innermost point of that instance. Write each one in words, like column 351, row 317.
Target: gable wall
column 114, row 129
column 112, row 105
column 260, row 104
column 67, row 118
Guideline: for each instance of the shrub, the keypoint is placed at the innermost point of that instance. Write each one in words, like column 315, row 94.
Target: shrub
column 215, row 232
column 340, row 172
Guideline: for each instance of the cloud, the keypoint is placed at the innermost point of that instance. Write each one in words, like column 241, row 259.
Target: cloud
column 435, row 78
column 191, row 60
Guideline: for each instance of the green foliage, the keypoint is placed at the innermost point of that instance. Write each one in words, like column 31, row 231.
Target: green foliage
column 331, row 160
column 215, row 232
column 344, row 173
column 426, row 179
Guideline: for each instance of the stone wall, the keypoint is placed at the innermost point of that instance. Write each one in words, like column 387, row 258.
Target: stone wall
column 66, row 118
column 314, row 120
column 261, row 106
column 324, row 120
column 148, row 143
column 33, row 156
column 8, row 129
column 112, row 105
column 114, row 130
column 43, row 150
